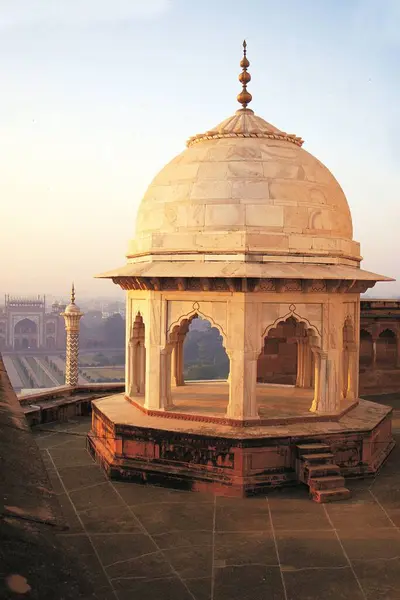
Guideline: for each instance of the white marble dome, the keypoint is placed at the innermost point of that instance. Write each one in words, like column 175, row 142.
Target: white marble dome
column 245, row 189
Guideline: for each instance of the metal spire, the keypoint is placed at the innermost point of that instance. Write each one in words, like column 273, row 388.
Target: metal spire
column 244, row 98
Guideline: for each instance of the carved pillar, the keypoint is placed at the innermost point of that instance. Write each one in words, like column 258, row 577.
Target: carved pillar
column 177, row 378
column 174, row 365
column 323, row 391
column 137, row 362
column 320, row 399
column 153, row 354
column 317, row 367
column 345, row 372
column 142, row 368
column 129, row 372
column 165, row 379
column 243, row 350
column 307, row 364
column 242, row 385
column 300, row 363
column 180, row 360
column 304, row 359
column 351, row 391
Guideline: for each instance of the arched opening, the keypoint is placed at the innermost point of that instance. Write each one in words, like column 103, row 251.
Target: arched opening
column 349, row 353
column 26, row 334
column 286, row 356
column 193, row 358
column 386, row 349
column 50, row 329
column 289, row 357
column 366, row 348
column 137, row 358
column 204, row 356
column 25, row 326
column 277, row 362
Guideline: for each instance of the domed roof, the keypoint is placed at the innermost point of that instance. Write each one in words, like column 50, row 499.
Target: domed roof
column 72, row 308
column 245, row 187
column 244, row 200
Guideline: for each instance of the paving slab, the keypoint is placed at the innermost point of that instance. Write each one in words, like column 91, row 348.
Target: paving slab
column 152, row 542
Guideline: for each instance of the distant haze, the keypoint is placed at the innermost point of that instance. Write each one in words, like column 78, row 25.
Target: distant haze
column 97, row 96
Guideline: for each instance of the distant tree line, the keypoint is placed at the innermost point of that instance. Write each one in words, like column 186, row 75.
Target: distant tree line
column 96, row 332
column 204, row 355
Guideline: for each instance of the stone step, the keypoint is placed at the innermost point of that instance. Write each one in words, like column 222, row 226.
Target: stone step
column 312, row 448
column 334, row 495
column 321, row 470
column 323, row 458
column 326, row 483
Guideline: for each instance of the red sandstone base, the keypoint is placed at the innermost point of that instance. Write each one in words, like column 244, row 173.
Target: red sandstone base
column 131, row 445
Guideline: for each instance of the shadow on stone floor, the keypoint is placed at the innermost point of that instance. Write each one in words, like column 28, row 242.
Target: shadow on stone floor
column 152, row 542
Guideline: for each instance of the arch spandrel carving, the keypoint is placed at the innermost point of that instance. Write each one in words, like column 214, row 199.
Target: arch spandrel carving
column 285, row 311
column 34, row 318
column 183, row 323
column 214, row 312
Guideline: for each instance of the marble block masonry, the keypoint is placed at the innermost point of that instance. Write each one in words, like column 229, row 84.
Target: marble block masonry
column 249, row 231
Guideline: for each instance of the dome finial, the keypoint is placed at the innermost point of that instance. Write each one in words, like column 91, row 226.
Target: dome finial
column 244, row 98
column 73, row 293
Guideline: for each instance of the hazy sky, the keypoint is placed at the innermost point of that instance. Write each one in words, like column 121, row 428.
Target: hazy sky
column 97, row 95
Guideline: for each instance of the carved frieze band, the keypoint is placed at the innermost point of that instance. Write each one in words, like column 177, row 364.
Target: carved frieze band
column 241, row 284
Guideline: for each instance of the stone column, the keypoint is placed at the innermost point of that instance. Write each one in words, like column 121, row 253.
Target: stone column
column 142, row 368
column 243, row 350
column 153, row 354
column 242, row 385
column 72, row 317
column 300, row 363
column 345, row 372
column 319, row 403
column 129, row 388
column 174, row 366
column 304, row 358
column 351, row 392
column 137, row 365
column 307, row 364
column 317, row 367
column 177, row 378
column 179, row 363
column 165, row 379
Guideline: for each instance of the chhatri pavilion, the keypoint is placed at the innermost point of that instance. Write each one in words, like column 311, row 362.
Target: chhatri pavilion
column 249, row 231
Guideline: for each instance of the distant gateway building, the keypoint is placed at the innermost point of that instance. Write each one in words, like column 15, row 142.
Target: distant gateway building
column 25, row 325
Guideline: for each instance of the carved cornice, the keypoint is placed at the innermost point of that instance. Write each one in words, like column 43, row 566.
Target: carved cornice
column 242, row 284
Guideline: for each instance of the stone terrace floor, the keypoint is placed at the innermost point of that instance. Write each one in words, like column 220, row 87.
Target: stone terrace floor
column 153, row 543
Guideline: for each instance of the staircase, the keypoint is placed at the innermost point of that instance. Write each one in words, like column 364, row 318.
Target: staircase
column 315, row 468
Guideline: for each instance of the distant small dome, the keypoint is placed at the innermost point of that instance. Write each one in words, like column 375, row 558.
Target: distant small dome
column 72, row 308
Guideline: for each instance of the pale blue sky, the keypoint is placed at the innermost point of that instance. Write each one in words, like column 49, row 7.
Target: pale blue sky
column 97, row 95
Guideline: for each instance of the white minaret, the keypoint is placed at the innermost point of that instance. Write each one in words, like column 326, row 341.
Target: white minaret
column 72, row 316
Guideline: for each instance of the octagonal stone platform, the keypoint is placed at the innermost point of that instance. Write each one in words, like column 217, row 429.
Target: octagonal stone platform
column 196, row 452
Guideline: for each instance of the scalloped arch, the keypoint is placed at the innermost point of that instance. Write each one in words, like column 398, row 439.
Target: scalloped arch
column 196, row 312
column 299, row 319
